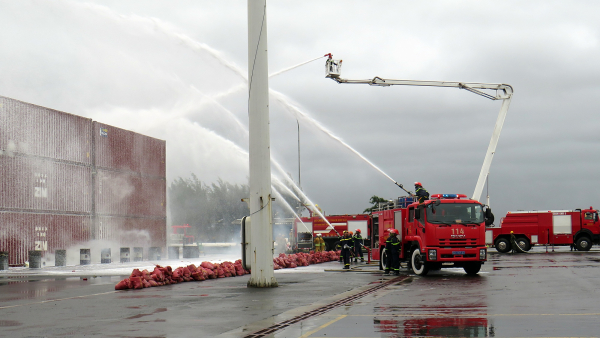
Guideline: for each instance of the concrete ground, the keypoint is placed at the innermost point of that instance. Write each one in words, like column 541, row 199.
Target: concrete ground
column 515, row 295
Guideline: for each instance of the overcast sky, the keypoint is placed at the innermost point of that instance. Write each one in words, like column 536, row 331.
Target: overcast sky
column 176, row 70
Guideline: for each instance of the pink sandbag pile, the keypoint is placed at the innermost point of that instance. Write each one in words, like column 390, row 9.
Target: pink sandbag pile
column 207, row 270
column 166, row 275
column 304, row 259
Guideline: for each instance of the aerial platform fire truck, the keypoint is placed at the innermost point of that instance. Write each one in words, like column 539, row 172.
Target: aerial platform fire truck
column 446, row 231
column 307, row 228
column 520, row 230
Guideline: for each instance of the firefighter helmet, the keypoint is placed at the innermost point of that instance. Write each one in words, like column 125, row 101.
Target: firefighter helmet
column 357, row 230
column 418, row 184
column 394, row 231
column 350, row 232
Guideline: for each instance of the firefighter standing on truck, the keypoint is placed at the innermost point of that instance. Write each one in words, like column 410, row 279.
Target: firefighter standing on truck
column 358, row 244
column 420, row 192
column 392, row 246
column 347, row 245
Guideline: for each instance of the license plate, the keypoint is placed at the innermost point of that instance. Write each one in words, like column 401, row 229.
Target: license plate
column 458, row 252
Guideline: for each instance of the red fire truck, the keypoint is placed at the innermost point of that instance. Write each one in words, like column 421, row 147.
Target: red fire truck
column 446, row 231
column 577, row 227
column 306, row 228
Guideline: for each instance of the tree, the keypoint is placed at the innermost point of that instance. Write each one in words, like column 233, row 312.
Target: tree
column 375, row 200
column 210, row 210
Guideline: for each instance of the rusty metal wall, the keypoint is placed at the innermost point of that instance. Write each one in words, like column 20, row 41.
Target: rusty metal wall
column 70, row 180
column 129, row 194
column 125, row 150
column 21, row 232
column 31, row 184
column 33, row 130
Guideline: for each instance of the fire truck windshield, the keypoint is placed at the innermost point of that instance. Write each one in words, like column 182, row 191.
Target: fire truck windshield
column 455, row 213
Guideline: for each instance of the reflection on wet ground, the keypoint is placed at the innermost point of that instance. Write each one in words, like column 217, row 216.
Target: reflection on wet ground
column 436, row 327
column 524, row 295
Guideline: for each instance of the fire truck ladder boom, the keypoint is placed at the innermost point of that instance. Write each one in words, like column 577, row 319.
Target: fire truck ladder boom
column 502, row 92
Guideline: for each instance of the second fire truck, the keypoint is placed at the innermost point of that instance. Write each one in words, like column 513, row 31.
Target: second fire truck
column 520, row 230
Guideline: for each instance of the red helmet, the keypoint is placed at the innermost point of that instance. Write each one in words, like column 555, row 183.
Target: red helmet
column 358, row 230
column 418, row 183
column 394, row 231
column 350, row 232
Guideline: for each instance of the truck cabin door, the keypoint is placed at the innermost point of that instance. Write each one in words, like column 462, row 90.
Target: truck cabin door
column 398, row 223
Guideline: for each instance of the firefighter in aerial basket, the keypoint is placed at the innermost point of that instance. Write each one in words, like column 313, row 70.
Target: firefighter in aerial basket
column 392, row 246
column 347, row 247
column 358, row 244
column 420, row 192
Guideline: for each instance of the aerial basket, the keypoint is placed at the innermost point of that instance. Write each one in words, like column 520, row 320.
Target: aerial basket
column 333, row 68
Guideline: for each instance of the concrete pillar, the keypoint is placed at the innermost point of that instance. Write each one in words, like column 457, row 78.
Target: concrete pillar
column 261, row 237
column 125, row 257
column 60, row 257
column 85, row 257
column 35, row 259
column 105, row 256
column 3, row 260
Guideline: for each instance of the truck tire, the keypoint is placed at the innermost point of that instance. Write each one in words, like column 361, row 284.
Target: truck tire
column 383, row 259
column 472, row 268
column 503, row 245
column 583, row 243
column 419, row 267
column 523, row 243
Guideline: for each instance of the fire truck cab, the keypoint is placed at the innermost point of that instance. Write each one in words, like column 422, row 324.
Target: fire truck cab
column 445, row 231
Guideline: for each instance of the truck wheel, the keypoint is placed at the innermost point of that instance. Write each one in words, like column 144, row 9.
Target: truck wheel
column 472, row 268
column 583, row 243
column 523, row 243
column 502, row 245
column 419, row 267
column 383, row 259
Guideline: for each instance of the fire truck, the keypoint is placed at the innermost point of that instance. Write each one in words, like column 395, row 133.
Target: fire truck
column 520, row 230
column 446, row 231
column 306, row 229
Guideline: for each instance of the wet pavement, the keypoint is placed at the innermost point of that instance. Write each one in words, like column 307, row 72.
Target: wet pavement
column 515, row 295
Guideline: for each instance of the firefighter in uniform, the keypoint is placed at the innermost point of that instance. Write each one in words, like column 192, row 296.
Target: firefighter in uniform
column 392, row 246
column 319, row 243
column 358, row 244
column 347, row 247
column 420, row 192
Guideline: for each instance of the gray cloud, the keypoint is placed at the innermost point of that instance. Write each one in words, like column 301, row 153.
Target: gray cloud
column 125, row 63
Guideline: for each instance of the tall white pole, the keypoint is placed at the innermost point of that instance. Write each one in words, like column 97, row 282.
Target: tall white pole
column 261, row 233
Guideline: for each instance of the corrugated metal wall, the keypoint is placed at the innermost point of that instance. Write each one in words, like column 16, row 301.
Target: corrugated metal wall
column 37, row 184
column 128, row 194
column 123, row 150
column 65, row 180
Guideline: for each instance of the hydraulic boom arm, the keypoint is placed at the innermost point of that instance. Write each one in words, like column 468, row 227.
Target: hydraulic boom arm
column 502, row 92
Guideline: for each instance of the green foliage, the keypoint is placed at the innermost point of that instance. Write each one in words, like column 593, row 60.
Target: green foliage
column 375, row 200
column 211, row 210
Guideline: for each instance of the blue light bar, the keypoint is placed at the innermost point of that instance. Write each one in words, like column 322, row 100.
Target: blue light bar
column 449, row 196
